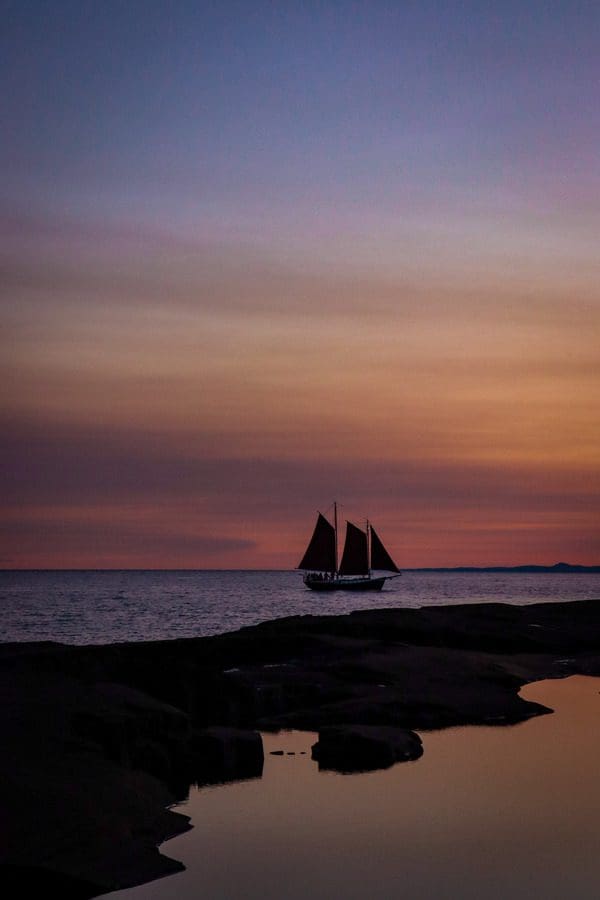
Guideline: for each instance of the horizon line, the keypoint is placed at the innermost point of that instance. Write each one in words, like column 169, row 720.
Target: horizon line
column 464, row 567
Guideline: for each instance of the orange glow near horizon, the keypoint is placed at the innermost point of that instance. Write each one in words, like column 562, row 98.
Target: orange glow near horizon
column 164, row 435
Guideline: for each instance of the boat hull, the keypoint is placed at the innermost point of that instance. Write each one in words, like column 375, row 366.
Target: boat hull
column 346, row 584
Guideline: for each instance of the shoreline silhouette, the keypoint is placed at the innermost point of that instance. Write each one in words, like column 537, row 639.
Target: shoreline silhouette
column 101, row 739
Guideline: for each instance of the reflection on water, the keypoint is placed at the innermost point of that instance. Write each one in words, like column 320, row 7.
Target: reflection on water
column 485, row 813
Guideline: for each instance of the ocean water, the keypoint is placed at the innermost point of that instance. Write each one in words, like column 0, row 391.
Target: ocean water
column 83, row 607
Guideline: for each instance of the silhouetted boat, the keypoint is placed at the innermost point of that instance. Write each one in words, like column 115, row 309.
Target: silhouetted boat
column 363, row 554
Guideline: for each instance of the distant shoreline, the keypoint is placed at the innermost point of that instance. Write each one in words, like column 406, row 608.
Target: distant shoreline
column 557, row 569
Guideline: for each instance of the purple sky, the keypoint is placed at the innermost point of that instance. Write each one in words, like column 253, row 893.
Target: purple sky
column 258, row 257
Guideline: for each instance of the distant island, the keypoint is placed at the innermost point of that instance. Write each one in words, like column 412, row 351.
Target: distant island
column 557, row 568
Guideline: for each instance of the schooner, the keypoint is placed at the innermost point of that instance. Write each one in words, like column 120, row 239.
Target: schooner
column 363, row 553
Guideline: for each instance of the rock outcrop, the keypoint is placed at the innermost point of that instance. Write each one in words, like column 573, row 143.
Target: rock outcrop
column 360, row 748
column 99, row 741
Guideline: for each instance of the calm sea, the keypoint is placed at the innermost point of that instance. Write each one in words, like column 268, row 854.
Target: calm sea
column 84, row 607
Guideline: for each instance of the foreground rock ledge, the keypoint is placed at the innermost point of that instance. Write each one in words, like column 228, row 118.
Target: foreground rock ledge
column 99, row 741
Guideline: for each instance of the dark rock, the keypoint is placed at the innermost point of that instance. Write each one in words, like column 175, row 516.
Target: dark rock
column 97, row 741
column 152, row 757
column 227, row 754
column 37, row 881
column 122, row 721
column 360, row 748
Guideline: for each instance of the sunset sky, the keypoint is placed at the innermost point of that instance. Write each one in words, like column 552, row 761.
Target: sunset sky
column 257, row 257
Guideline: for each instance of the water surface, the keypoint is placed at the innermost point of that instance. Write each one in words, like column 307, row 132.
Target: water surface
column 486, row 814
column 83, row 607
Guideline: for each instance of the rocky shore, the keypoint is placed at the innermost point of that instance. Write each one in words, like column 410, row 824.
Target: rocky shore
column 99, row 741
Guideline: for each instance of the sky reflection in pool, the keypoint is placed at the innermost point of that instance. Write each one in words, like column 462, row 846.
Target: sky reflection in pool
column 487, row 812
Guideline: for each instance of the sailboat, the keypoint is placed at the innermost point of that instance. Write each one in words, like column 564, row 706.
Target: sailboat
column 363, row 553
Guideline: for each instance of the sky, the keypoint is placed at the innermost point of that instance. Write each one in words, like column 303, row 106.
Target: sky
column 258, row 257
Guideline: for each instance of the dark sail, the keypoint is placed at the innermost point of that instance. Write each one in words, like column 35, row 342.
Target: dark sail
column 355, row 560
column 380, row 558
column 320, row 553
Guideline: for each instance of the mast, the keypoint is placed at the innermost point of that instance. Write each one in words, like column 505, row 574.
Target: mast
column 335, row 525
column 369, row 547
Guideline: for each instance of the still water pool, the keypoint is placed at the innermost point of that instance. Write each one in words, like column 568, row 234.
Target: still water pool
column 485, row 814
